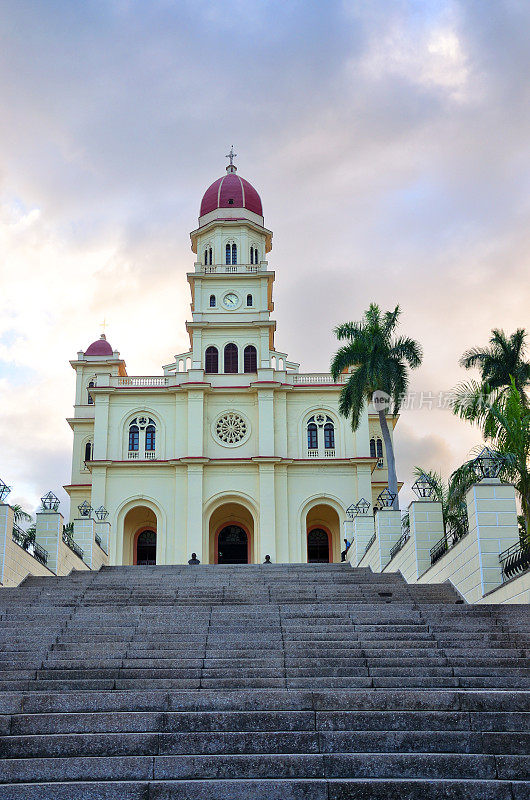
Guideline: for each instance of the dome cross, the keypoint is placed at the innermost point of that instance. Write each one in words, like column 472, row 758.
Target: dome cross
column 231, row 155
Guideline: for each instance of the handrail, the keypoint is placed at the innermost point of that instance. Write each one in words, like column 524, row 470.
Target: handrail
column 447, row 542
column 368, row 546
column 69, row 542
column 399, row 545
column 514, row 560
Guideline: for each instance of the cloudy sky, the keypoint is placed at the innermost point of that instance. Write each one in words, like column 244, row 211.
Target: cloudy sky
column 389, row 140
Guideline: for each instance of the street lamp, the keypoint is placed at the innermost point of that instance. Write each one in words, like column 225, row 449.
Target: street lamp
column 50, row 502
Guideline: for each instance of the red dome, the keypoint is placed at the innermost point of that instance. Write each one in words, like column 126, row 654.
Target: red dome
column 99, row 348
column 231, row 191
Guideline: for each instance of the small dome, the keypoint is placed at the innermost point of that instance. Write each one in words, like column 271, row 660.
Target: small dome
column 231, row 191
column 100, row 347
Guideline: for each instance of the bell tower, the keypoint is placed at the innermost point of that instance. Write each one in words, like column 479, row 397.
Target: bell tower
column 231, row 287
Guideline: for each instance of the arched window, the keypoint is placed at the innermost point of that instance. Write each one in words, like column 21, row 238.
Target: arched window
column 253, row 255
column 379, row 448
column 134, row 436
column 211, row 361
column 228, row 254
column 231, row 356
column 90, row 400
column 312, row 435
column 208, row 254
column 250, row 359
column 89, row 447
column 329, row 436
column 249, row 299
column 150, row 436
column 212, row 301
column 234, row 254
column 372, row 448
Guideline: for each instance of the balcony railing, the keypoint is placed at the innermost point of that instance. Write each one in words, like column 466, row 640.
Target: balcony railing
column 514, row 560
column 220, row 269
column 448, row 541
column 316, row 453
column 40, row 553
column 136, row 455
column 399, row 545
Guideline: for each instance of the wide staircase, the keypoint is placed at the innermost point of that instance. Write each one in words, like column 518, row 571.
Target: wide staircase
column 273, row 682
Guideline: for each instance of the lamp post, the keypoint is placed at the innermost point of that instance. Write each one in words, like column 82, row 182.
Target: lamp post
column 363, row 506
column 101, row 513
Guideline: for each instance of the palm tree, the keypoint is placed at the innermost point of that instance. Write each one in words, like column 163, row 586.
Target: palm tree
column 503, row 360
column 20, row 515
column 505, row 422
column 378, row 363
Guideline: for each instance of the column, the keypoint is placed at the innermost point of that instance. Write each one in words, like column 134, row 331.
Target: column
column 363, row 527
column 492, row 515
column 267, row 513
column 84, row 537
column 49, row 532
column 426, row 528
column 194, row 521
column 388, row 533
column 7, row 519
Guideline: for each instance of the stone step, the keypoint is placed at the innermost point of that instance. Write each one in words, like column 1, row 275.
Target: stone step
column 271, row 789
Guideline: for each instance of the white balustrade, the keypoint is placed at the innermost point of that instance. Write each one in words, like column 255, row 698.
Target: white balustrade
column 318, row 377
column 133, row 454
column 150, row 455
column 143, row 380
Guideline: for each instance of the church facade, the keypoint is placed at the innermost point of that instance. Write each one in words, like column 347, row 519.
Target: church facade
column 231, row 452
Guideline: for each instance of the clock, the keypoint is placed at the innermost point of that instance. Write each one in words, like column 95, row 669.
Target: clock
column 230, row 300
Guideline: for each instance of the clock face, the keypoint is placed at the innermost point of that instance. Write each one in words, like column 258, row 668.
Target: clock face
column 231, row 300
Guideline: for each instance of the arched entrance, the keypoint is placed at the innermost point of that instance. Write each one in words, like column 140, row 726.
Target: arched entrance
column 318, row 546
column 323, row 534
column 232, row 545
column 145, row 550
column 140, row 536
column 231, row 535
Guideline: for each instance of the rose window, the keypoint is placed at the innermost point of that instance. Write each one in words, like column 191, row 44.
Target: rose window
column 231, row 428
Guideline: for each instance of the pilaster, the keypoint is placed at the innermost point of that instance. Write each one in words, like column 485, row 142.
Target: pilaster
column 194, row 536
column 7, row 519
column 388, row 532
column 492, row 515
column 101, row 426
column 267, row 514
column 266, row 423
column 84, row 536
column 282, row 515
column 102, row 530
column 426, row 528
column 49, row 532
column 195, row 422
column 363, row 526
